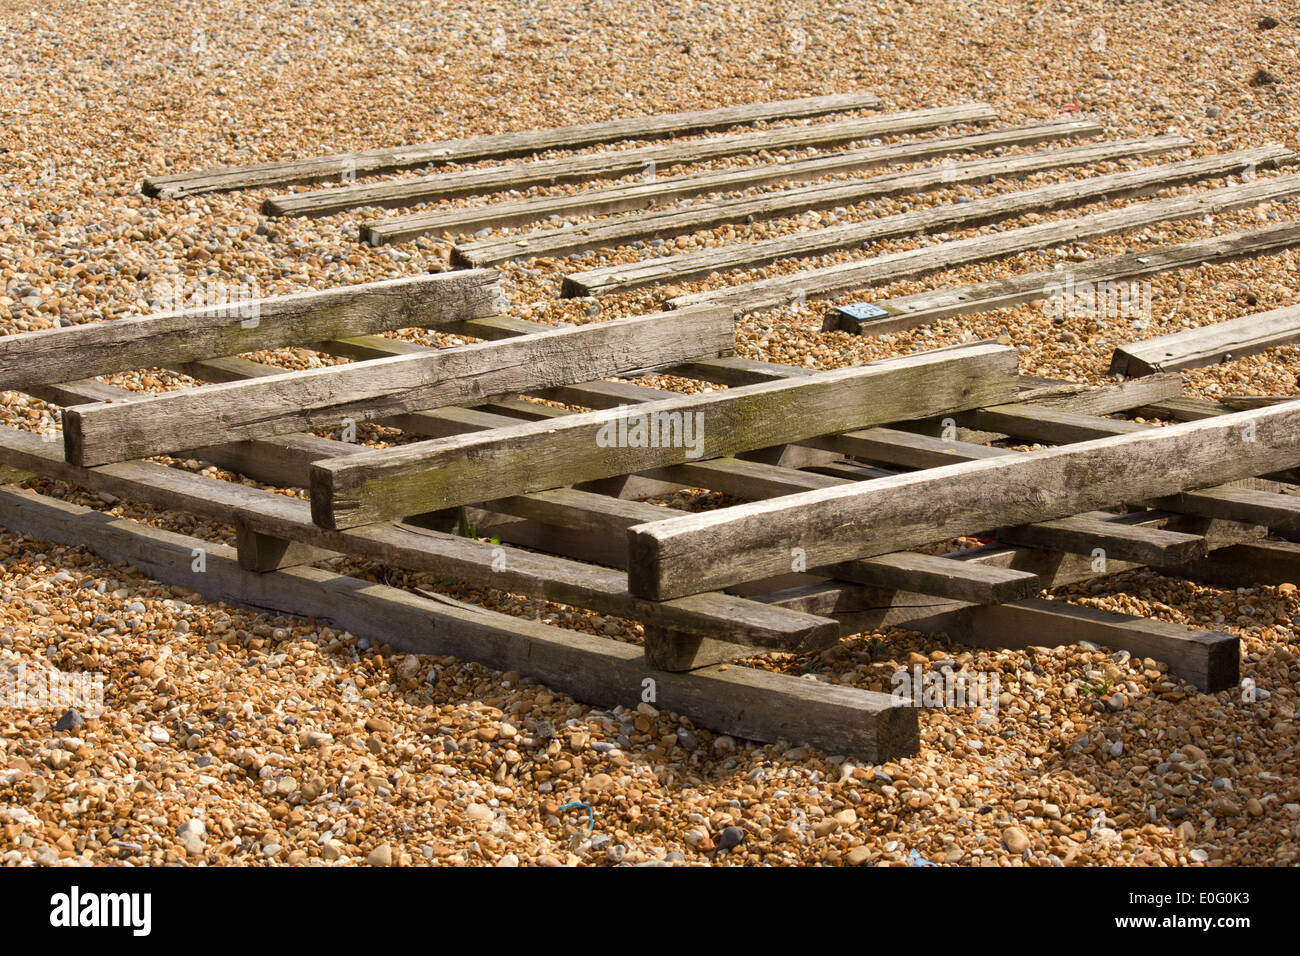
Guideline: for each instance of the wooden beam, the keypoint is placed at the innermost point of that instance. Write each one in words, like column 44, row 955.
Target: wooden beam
column 799, row 286
column 425, row 476
column 1211, row 660
column 923, row 308
column 599, row 202
column 300, row 400
column 1209, row 344
column 1088, row 533
column 1247, row 565
column 497, row 146
column 693, row 265
column 741, row 701
column 613, row 164
column 665, row 223
column 750, row 541
column 101, row 348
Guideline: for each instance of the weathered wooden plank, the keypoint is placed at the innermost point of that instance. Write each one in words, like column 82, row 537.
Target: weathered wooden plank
column 1093, row 534
column 784, row 289
column 1210, row 344
column 692, row 265
column 906, row 312
column 1211, row 660
column 597, row 202
column 665, row 223
column 424, row 476
column 745, row 542
column 741, row 701
column 614, row 163
column 1279, row 512
column 494, row 146
column 293, row 401
column 100, row 348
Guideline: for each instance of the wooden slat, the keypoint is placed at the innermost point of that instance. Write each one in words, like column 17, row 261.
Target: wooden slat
column 425, row 476
column 1087, row 533
column 496, row 146
column 1210, row 344
column 614, row 163
column 1211, row 660
column 692, row 265
column 300, row 400
column 741, row 701
column 1247, row 565
column 746, row 542
column 598, row 202
column 665, row 223
column 782, row 290
column 101, row 348
column 906, row 312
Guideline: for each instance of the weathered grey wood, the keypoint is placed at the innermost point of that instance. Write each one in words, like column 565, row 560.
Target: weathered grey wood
column 1038, row 423
column 782, row 290
column 260, row 552
column 717, row 549
column 736, row 700
column 664, row 223
column 614, row 163
column 1210, row 344
column 597, row 202
column 938, row 575
column 859, row 608
column 424, row 476
column 1247, row 565
column 1210, row 660
column 906, row 312
column 293, row 401
column 693, row 265
column 101, row 348
column 494, row 146
column 1279, row 512
column 288, row 519
column 1085, row 534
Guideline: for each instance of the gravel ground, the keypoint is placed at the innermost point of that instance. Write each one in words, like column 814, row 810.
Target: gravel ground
column 232, row 737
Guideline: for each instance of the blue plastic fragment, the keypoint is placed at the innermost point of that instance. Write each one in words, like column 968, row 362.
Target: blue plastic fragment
column 915, row 859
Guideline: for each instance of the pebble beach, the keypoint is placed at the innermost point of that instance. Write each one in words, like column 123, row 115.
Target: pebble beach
column 228, row 737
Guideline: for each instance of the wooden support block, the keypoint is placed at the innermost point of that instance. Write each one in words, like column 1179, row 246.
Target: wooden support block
column 314, row 398
column 262, row 552
column 720, row 548
column 100, row 348
column 495, row 146
column 1210, row 660
column 669, row 650
column 797, row 287
column 1209, row 344
column 599, row 202
column 527, row 457
column 741, row 701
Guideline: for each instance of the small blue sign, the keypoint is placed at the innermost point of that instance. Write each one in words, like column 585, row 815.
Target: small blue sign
column 862, row 311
